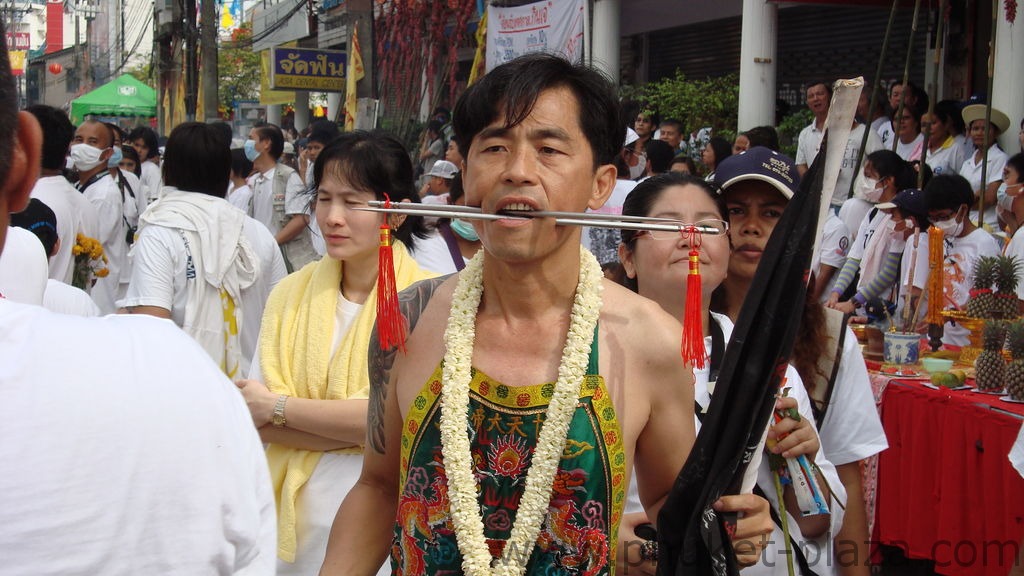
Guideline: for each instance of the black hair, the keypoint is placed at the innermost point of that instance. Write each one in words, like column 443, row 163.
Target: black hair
column 1017, row 163
column 721, row 147
column 888, row 163
column 129, row 153
column 435, row 126
column 684, row 159
column 765, row 136
column 825, row 83
column 947, row 110
column 374, row 162
column 914, row 112
column 651, row 115
column 58, row 131
column 509, row 92
column 678, row 125
column 948, row 192
column 641, row 200
column 196, row 160
column 659, row 156
column 240, row 165
column 273, row 133
column 225, row 131
column 441, row 110
column 40, row 220
column 116, row 133
column 456, row 190
column 322, row 135
column 149, row 138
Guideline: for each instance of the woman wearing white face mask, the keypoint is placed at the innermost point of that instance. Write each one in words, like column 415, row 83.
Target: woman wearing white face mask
column 876, row 252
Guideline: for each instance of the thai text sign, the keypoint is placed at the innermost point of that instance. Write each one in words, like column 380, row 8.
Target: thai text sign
column 553, row 26
column 307, row 69
column 18, row 40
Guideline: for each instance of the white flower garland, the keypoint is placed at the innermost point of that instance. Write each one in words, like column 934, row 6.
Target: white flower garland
column 459, row 337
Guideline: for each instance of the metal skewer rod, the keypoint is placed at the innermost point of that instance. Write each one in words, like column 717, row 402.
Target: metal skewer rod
column 433, row 210
column 664, row 225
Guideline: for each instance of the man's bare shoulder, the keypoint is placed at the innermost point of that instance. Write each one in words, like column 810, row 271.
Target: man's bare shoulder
column 641, row 325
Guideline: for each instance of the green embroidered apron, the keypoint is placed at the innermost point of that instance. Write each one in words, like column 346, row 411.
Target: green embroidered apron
column 579, row 534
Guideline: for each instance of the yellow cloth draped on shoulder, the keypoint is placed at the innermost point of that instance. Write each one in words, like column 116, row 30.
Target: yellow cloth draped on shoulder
column 295, row 358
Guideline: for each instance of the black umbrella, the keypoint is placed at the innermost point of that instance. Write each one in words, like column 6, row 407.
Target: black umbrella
column 693, row 538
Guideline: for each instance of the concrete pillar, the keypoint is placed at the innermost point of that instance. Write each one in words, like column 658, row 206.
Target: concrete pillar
column 301, row 110
column 334, row 100
column 1009, row 77
column 274, row 114
column 757, row 64
column 604, row 46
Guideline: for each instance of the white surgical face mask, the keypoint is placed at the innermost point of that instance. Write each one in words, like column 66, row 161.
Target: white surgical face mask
column 875, row 193
column 865, row 185
column 85, row 156
column 951, row 227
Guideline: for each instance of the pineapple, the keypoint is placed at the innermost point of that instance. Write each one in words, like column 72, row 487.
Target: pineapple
column 983, row 302
column 1015, row 370
column 990, row 366
column 1008, row 269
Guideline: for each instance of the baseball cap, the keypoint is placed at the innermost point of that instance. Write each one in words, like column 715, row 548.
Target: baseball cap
column 443, row 169
column 910, row 200
column 759, row 163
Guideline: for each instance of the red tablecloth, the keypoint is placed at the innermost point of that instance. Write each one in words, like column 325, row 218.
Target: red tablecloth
column 946, row 490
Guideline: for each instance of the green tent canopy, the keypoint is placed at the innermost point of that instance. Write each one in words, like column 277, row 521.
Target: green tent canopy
column 125, row 96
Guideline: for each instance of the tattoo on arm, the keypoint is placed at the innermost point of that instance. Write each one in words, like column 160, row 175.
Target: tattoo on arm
column 412, row 301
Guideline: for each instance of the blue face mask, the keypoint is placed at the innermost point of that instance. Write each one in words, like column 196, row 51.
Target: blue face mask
column 115, row 158
column 465, row 230
column 250, row 150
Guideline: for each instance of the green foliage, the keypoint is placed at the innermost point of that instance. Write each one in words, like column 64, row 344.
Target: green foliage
column 790, row 127
column 697, row 103
column 238, row 67
column 143, row 73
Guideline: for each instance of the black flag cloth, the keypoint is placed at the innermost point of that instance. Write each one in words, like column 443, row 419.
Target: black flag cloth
column 693, row 538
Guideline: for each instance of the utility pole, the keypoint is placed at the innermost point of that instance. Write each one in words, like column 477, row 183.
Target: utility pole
column 210, row 73
column 191, row 61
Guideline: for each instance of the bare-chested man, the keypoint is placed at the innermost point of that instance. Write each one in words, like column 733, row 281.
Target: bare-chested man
column 537, row 134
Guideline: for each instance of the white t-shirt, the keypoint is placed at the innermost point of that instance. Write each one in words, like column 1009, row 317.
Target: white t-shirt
column 133, row 207
column 161, row 274
column 1016, row 248
column 947, row 159
column 66, row 299
column 852, row 429
column 808, row 143
column 295, row 199
column 835, row 244
column 906, row 150
column 151, row 180
column 240, row 197
column 846, row 171
column 958, row 275
column 23, row 268
column 55, row 192
column 915, row 259
column 106, row 198
column 971, row 170
column 772, row 561
column 886, row 135
column 125, row 451
column 432, row 254
column 604, row 242
column 864, row 233
column 853, row 211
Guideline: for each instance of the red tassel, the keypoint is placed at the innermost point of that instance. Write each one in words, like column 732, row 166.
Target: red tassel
column 693, row 349
column 391, row 325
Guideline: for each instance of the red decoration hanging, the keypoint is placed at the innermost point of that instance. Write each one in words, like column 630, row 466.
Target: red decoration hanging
column 56, row 68
column 692, row 347
column 390, row 322
column 1010, row 6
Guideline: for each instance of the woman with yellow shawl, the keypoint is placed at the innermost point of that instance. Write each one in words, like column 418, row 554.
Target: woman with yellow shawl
column 308, row 388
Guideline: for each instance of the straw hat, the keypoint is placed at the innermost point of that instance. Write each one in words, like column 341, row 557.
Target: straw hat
column 977, row 112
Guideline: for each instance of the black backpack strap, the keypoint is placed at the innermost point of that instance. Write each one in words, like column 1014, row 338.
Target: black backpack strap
column 798, row 554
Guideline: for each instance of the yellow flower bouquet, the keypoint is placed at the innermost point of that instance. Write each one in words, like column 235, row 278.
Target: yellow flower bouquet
column 90, row 262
